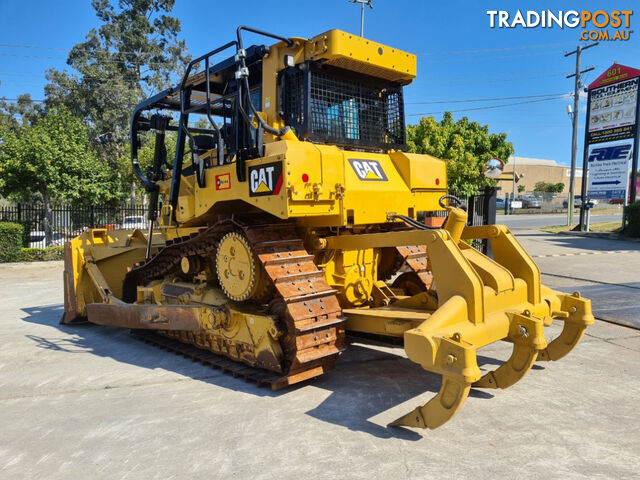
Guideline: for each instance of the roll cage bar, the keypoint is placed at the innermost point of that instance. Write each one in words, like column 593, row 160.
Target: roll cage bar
column 235, row 104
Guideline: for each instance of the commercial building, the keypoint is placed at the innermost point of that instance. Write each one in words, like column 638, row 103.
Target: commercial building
column 533, row 170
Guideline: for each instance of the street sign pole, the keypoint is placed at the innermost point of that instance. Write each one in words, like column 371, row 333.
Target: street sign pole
column 585, row 166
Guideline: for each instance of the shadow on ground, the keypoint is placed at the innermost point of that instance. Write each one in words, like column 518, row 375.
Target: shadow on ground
column 617, row 303
column 365, row 383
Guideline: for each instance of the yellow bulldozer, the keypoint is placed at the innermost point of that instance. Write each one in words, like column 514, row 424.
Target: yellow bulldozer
column 289, row 217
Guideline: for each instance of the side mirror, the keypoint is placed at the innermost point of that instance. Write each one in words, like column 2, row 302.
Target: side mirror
column 493, row 168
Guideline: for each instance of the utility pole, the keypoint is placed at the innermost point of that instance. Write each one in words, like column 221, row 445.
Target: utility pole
column 362, row 4
column 515, row 179
column 574, row 137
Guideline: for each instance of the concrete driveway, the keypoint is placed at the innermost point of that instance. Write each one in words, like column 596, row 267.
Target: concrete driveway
column 91, row 402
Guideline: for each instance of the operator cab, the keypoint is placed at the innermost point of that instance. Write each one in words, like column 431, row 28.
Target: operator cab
column 334, row 89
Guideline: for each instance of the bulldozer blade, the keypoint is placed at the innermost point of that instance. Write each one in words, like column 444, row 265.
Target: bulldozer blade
column 578, row 319
column 527, row 334
column 155, row 317
column 440, row 409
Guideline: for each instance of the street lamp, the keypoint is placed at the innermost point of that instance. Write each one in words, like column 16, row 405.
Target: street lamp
column 362, row 4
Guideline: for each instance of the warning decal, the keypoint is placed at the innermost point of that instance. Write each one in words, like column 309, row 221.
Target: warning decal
column 223, row 181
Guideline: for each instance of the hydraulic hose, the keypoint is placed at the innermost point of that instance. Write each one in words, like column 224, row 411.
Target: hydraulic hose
column 411, row 222
column 243, row 68
column 451, row 198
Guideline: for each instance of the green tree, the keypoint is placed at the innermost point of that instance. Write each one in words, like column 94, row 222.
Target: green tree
column 521, row 188
column 464, row 145
column 53, row 158
column 545, row 187
column 132, row 54
column 24, row 111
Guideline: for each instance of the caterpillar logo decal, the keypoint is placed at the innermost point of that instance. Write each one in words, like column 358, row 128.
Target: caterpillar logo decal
column 265, row 179
column 368, row 170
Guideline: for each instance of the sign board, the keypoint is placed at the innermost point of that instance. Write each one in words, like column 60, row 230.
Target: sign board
column 516, row 203
column 612, row 113
column 609, row 169
column 611, row 133
column 567, row 172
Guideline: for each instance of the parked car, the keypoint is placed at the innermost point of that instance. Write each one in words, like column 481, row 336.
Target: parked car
column 133, row 221
column 530, row 201
column 577, row 202
column 37, row 239
column 500, row 203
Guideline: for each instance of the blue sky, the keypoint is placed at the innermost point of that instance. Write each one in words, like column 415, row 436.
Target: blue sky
column 521, row 62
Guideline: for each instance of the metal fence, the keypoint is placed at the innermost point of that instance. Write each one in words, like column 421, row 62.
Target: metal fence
column 545, row 202
column 67, row 221
column 481, row 209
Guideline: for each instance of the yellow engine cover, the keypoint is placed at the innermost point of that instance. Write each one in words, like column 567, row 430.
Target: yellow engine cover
column 321, row 185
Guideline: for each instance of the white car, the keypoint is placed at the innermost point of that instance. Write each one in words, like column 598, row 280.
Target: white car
column 37, row 239
column 134, row 221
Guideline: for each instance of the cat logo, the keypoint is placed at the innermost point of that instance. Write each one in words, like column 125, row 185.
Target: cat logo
column 223, row 181
column 368, row 170
column 265, row 179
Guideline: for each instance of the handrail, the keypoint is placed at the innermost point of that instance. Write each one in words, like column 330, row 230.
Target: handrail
column 185, row 77
column 149, row 103
column 206, row 58
column 243, row 67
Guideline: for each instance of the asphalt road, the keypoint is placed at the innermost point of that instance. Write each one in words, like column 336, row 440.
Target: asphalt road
column 606, row 271
column 519, row 222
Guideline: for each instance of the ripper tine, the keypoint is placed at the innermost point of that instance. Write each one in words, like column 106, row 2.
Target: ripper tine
column 577, row 316
column 440, row 409
column 527, row 335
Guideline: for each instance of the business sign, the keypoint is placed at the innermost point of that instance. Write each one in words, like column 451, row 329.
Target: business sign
column 609, row 169
column 613, row 111
column 611, row 133
column 612, row 115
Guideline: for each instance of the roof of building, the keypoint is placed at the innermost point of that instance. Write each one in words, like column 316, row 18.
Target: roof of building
column 532, row 161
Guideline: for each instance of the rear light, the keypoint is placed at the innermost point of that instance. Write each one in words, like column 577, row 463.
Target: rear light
column 305, row 177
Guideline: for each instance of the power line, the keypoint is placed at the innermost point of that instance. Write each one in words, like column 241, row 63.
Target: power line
column 487, row 107
column 17, row 99
column 460, row 52
column 62, row 49
column 485, row 99
column 494, row 50
column 94, row 60
column 490, row 81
